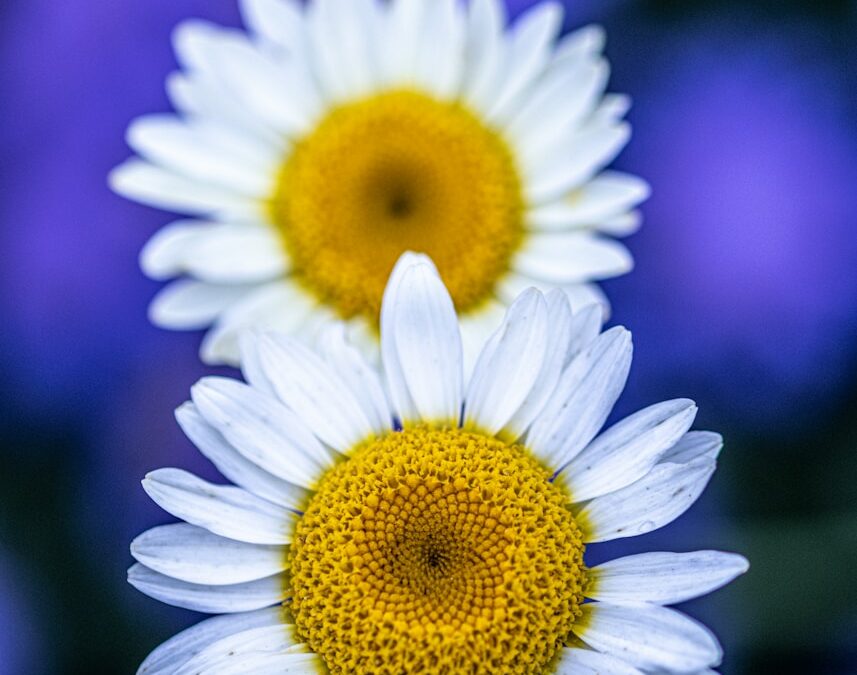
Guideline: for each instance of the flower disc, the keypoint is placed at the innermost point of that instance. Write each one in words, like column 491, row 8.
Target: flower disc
column 433, row 179
column 437, row 551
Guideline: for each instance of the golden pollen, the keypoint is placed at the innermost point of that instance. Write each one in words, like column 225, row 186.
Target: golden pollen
column 395, row 172
column 437, row 551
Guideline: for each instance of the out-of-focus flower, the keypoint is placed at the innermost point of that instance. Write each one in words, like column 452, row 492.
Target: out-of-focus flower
column 745, row 291
column 316, row 148
column 430, row 530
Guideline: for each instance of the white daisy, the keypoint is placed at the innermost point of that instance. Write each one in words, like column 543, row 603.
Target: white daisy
column 311, row 152
column 443, row 527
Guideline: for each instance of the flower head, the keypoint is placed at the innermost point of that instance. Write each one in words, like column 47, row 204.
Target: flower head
column 313, row 151
column 403, row 519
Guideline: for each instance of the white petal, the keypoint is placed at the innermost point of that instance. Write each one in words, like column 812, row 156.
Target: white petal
column 628, row 450
column 251, row 363
column 528, row 51
column 583, row 43
column 663, row 578
column 586, row 325
column 513, row 283
column 421, row 344
column 176, row 651
column 363, row 334
column 604, row 199
column 281, row 94
column 164, row 254
column 652, row 502
column 583, row 295
column 559, row 101
column 265, row 152
column 204, row 97
column 649, row 637
column 403, row 27
column 188, row 93
column 607, row 195
column 265, row 663
column 583, row 398
column 344, row 36
column 221, row 509
column 400, row 396
column 191, row 554
column 622, row 225
column 439, row 66
column 560, row 321
column 509, row 365
column 485, row 52
column 195, row 39
column 572, row 161
column 314, row 391
column 209, row 599
column 204, row 154
column 276, row 21
column 235, row 254
column 477, row 327
column 235, row 466
column 571, row 257
column 694, row 445
column 187, row 304
column 305, row 103
column 280, row 305
column 613, row 108
column 262, row 429
column 200, row 47
column 232, row 649
column 362, row 379
column 165, row 189
column 587, row 662
column 278, row 94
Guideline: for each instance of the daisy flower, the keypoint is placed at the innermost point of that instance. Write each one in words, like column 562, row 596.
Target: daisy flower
column 415, row 522
column 312, row 151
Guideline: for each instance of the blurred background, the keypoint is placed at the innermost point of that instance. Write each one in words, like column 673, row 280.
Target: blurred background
column 744, row 298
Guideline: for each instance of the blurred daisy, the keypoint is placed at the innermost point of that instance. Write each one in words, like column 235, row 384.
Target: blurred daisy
column 442, row 528
column 313, row 151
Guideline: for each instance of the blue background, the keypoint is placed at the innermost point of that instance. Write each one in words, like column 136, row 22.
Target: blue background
column 744, row 298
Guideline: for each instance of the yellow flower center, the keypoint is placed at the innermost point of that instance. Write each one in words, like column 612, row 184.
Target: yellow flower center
column 437, row 551
column 395, row 172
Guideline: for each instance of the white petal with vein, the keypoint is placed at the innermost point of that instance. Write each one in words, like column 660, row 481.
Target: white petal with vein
column 628, row 450
column 583, row 398
column 421, row 344
column 653, row 501
column 195, row 555
column 314, row 391
column 509, row 365
column 176, row 651
column 262, row 429
column 235, row 466
column 649, row 637
column 209, row 599
column 578, row 661
column 222, row 509
column 663, row 578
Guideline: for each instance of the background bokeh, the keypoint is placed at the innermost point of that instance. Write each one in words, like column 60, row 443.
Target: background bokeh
column 744, row 298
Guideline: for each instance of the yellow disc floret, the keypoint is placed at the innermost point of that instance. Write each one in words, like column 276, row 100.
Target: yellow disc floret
column 437, row 551
column 394, row 172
